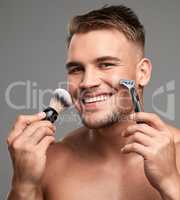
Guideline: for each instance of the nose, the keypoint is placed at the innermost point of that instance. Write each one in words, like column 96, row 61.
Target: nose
column 90, row 79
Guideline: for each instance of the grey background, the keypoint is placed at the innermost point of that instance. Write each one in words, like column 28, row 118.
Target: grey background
column 32, row 47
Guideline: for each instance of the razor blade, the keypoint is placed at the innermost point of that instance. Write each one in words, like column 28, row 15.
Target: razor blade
column 130, row 85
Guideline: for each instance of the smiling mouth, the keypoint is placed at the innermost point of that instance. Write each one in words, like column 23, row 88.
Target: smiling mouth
column 98, row 98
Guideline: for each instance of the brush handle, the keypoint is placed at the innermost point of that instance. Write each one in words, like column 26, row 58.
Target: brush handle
column 51, row 114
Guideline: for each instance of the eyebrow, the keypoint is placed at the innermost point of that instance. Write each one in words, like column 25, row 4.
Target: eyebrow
column 97, row 60
column 73, row 63
column 107, row 58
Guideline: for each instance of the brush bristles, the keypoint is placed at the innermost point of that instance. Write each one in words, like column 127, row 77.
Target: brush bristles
column 60, row 100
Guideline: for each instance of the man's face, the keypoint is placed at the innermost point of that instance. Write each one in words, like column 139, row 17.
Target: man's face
column 96, row 61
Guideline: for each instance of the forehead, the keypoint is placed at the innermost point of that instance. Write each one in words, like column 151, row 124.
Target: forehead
column 99, row 43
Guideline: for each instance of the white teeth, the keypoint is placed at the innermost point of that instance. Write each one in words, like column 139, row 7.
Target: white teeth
column 95, row 99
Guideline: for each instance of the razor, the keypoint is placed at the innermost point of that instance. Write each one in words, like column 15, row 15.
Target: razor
column 130, row 85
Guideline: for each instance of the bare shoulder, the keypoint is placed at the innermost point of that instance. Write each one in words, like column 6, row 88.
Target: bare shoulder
column 63, row 149
column 61, row 153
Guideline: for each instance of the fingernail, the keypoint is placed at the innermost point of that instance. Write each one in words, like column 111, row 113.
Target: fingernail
column 41, row 114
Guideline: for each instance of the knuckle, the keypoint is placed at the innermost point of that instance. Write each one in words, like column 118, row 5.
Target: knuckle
column 137, row 135
column 154, row 116
column 16, row 145
column 20, row 119
column 134, row 145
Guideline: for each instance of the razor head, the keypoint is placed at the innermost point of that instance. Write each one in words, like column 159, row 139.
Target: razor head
column 130, row 84
column 127, row 83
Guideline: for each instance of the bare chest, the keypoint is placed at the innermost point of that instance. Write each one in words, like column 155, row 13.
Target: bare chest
column 92, row 184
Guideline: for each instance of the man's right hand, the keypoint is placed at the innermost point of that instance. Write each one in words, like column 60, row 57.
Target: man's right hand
column 27, row 143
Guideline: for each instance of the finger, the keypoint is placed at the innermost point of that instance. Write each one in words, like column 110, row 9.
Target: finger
column 24, row 120
column 140, row 138
column 34, row 126
column 136, row 148
column 28, row 131
column 40, row 133
column 143, row 128
column 21, row 123
column 45, row 143
column 149, row 118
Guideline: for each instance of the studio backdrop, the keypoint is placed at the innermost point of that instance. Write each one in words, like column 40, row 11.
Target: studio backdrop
column 33, row 53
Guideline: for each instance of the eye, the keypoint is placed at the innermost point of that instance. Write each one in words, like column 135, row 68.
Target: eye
column 106, row 65
column 75, row 70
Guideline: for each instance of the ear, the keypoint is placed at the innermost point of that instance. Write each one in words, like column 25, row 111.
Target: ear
column 143, row 72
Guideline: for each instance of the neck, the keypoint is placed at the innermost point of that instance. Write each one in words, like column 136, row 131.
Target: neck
column 109, row 139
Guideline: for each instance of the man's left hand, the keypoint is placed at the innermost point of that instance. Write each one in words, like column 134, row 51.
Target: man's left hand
column 152, row 139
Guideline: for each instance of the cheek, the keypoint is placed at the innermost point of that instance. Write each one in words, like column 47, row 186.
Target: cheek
column 73, row 90
column 115, row 78
column 73, row 87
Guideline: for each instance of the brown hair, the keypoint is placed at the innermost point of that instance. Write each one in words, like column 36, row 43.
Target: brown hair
column 117, row 17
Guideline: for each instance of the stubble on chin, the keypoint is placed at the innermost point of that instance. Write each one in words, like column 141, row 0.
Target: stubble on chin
column 107, row 119
column 115, row 111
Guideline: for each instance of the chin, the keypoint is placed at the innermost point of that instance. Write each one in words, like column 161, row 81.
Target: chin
column 95, row 124
column 102, row 120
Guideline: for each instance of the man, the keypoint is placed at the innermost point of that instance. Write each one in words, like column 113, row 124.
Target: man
column 112, row 156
